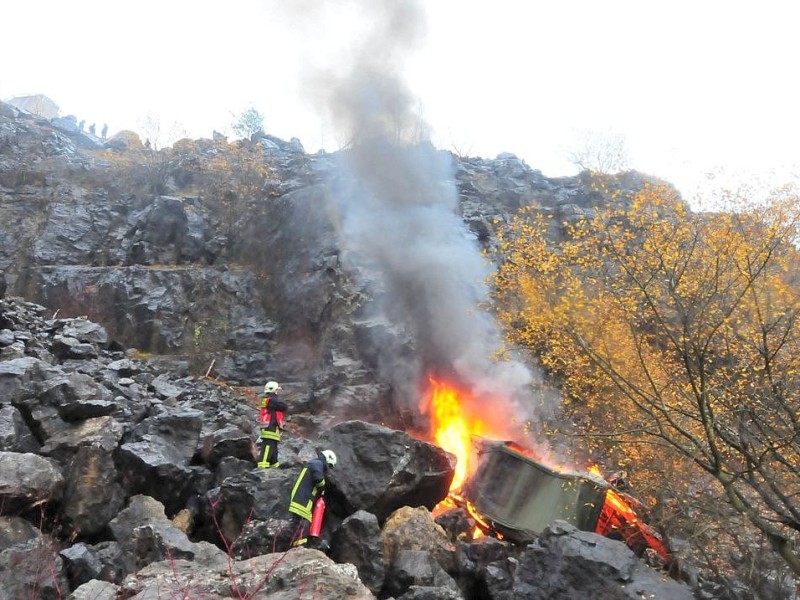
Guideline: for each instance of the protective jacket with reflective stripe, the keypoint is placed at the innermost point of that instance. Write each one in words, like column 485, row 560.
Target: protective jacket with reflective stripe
column 271, row 417
column 309, row 486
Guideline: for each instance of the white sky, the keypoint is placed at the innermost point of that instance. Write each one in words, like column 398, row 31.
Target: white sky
column 694, row 86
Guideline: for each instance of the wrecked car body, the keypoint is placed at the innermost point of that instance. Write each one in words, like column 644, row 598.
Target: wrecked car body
column 518, row 497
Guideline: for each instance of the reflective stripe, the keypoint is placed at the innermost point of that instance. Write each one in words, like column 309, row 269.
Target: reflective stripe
column 296, row 507
column 266, row 434
column 300, row 542
column 300, row 510
column 304, row 510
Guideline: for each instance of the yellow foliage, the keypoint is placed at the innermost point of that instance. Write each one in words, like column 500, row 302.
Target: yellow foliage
column 677, row 338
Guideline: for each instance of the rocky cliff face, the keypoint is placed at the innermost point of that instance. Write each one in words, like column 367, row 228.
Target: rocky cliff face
column 124, row 473
column 124, row 477
column 236, row 257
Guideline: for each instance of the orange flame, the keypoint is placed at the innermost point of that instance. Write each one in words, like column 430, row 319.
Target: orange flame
column 453, row 428
column 454, row 424
column 621, row 506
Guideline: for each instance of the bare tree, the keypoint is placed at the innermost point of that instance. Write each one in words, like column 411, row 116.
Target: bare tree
column 601, row 152
column 152, row 129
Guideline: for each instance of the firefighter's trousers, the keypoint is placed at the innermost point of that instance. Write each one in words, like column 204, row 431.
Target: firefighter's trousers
column 299, row 528
column 267, row 453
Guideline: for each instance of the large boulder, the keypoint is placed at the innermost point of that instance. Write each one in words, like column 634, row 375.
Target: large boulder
column 27, row 480
column 37, row 104
column 381, row 470
column 281, row 576
column 358, row 541
column 92, row 495
column 419, row 569
column 257, row 495
column 15, row 435
column 156, row 459
column 414, row 529
column 567, row 562
column 32, row 569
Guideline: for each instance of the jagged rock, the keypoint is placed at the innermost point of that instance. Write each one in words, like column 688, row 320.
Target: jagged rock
column 421, row 592
column 566, row 561
column 86, row 332
column 6, row 337
column 177, row 428
column 231, row 467
column 156, row 468
column 498, row 578
column 28, row 479
column 257, row 495
column 456, row 522
column 141, row 510
column 358, row 541
column 414, row 529
column 649, row 583
column 17, row 375
column 381, row 470
column 164, row 388
column 124, row 367
column 123, row 140
column 112, row 558
column 62, row 443
column 68, row 347
column 161, row 541
column 273, row 576
column 95, row 590
column 78, row 397
column 37, row 104
column 68, row 123
column 15, row 436
column 417, row 568
column 226, row 443
column 15, row 350
column 486, row 565
column 32, row 569
column 262, row 537
column 92, row 496
column 81, row 564
column 15, row 531
column 148, row 308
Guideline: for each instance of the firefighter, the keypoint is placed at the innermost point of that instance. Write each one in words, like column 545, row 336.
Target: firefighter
column 271, row 423
column 309, row 486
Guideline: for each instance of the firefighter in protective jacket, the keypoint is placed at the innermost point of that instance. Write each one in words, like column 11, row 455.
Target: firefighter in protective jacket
column 309, row 486
column 271, row 423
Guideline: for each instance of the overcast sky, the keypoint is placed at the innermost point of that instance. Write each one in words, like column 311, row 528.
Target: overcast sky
column 694, row 87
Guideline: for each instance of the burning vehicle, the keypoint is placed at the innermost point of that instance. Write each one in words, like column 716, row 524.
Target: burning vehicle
column 513, row 496
column 517, row 497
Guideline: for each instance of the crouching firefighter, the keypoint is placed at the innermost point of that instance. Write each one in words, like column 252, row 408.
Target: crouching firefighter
column 309, row 487
column 271, row 423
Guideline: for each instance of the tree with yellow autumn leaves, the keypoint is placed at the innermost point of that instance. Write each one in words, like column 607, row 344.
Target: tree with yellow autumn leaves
column 676, row 336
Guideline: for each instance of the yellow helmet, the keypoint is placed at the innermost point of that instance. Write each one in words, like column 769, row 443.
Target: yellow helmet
column 272, row 387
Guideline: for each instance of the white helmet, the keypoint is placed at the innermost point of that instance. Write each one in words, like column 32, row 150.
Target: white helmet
column 330, row 457
column 272, row 387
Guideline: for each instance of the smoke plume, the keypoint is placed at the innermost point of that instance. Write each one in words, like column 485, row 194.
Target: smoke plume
column 400, row 224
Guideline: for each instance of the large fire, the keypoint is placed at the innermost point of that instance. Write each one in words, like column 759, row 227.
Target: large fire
column 453, row 428
column 457, row 417
column 454, row 421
